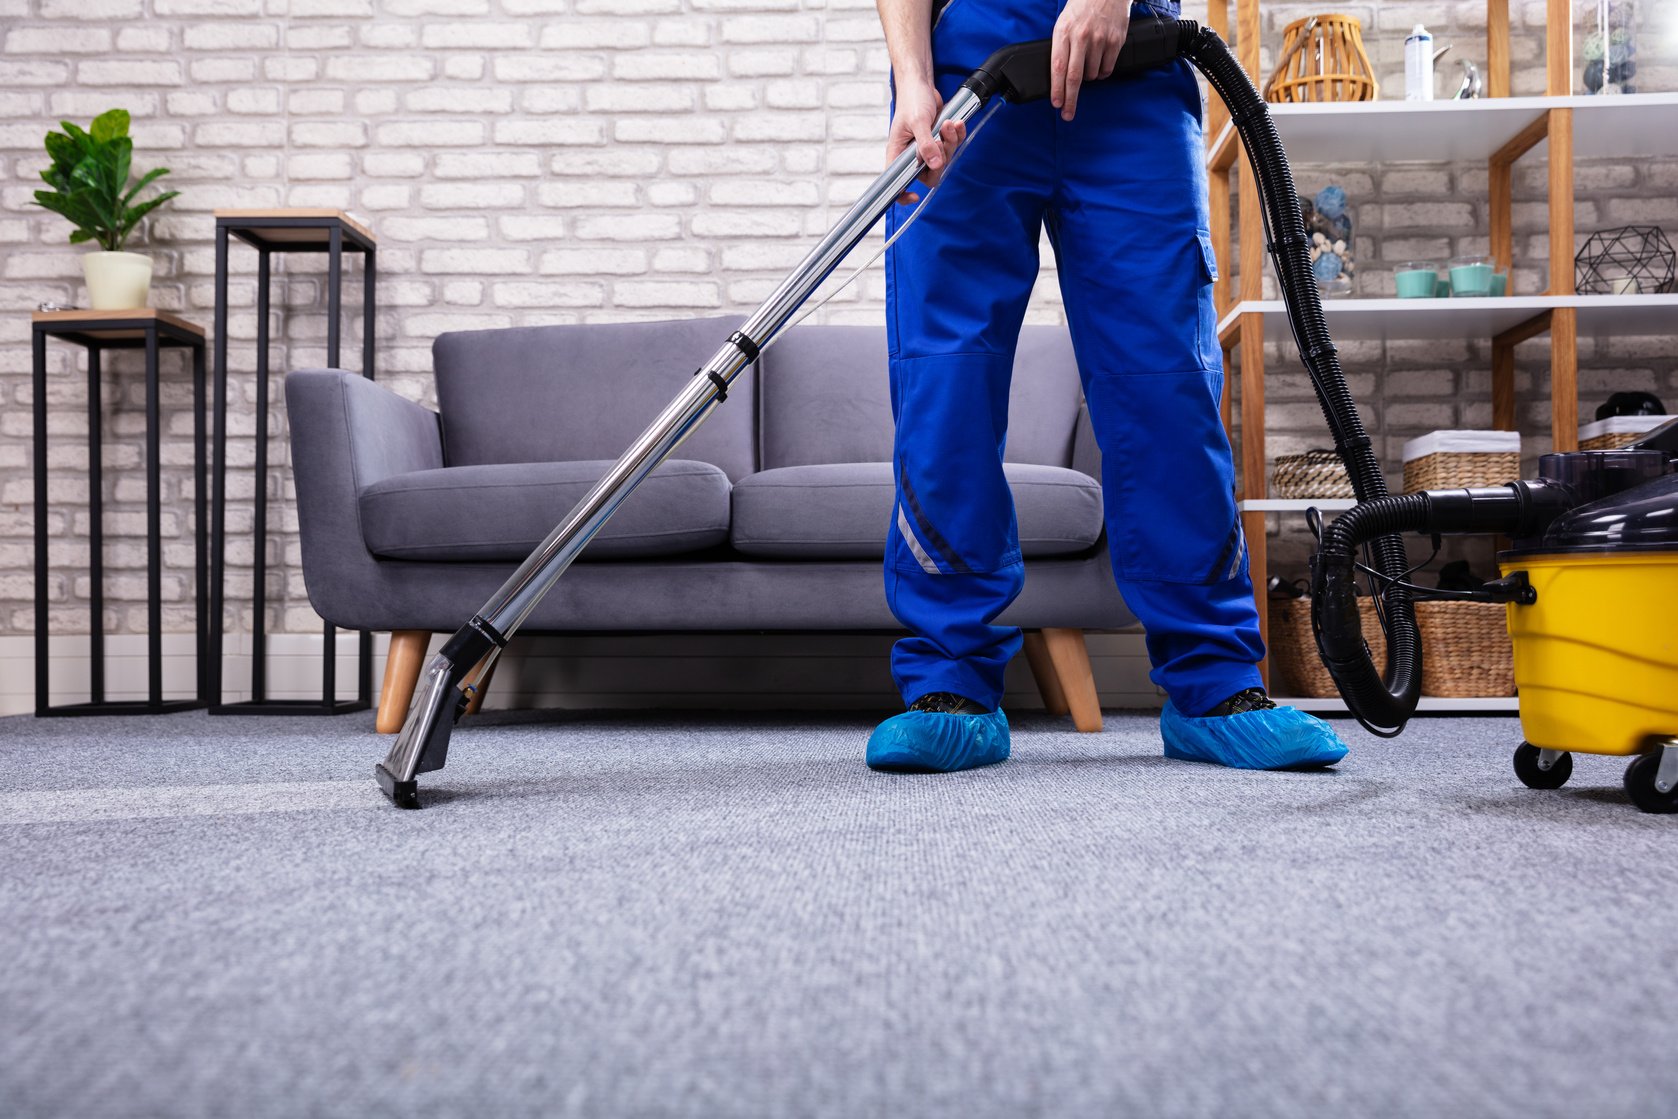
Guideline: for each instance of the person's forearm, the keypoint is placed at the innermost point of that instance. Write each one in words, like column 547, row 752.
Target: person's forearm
column 908, row 28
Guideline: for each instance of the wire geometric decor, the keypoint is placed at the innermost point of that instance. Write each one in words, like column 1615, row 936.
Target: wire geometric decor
column 1635, row 260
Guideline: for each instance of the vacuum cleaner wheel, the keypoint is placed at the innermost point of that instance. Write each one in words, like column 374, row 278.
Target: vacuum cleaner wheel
column 1533, row 776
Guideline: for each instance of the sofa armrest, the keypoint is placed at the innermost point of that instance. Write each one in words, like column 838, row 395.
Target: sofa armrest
column 346, row 434
column 1086, row 455
column 363, row 431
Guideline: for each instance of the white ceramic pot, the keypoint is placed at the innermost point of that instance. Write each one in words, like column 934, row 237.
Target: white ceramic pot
column 117, row 281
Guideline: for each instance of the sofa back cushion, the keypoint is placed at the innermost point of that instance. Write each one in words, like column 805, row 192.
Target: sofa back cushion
column 826, row 397
column 574, row 392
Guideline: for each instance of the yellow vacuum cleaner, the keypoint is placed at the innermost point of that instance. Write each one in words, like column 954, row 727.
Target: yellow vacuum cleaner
column 1591, row 585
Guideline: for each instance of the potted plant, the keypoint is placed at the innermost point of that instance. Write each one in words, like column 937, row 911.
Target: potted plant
column 89, row 176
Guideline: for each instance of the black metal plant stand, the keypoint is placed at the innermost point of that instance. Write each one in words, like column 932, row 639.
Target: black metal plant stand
column 98, row 331
column 268, row 232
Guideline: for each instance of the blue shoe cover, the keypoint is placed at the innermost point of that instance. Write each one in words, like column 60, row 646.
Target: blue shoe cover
column 933, row 742
column 1279, row 738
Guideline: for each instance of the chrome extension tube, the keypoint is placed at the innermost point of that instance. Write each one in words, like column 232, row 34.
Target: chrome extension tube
column 444, row 691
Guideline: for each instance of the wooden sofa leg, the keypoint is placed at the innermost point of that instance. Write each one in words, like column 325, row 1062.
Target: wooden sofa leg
column 402, row 672
column 1043, row 671
column 1071, row 661
column 476, row 703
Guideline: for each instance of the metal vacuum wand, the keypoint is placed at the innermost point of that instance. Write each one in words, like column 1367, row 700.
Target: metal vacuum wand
column 1018, row 73
column 444, row 692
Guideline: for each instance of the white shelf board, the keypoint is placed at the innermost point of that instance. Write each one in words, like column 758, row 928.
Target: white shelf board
column 1427, row 705
column 1295, row 505
column 1401, row 131
column 1432, row 319
column 1639, row 125
column 1604, row 315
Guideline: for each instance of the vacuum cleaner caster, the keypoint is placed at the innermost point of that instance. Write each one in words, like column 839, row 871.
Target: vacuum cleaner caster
column 1542, row 769
column 1652, row 780
column 403, row 794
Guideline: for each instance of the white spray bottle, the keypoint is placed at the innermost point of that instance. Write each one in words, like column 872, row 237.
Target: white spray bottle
column 1418, row 65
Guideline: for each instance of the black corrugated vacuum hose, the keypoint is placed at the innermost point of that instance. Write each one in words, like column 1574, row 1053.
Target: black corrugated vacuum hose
column 1381, row 705
column 1519, row 509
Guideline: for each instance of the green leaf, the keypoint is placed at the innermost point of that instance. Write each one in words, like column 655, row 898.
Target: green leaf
column 84, row 218
column 145, row 180
column 110, row 125
column 67, row 204
column 75, row 210
column 88, row 188
column 63, row 150
column 122, row 155
column 86, row 173
column 80, row 235
column 82, row 139
column 132, row 217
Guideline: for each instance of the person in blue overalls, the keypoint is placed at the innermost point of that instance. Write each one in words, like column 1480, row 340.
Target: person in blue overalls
column 1116, row 174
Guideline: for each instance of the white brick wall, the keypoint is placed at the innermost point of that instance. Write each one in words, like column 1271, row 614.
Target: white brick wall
column 543, row 161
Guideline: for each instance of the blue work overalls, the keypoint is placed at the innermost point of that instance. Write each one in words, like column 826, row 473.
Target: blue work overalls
column 1122, row 192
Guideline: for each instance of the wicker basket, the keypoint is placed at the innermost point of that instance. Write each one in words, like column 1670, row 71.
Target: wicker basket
column 1618, row 431
column 1466, row 649
column 1293, row 647
column 1323, row 59
column 1443, row 460
column 1312, row 474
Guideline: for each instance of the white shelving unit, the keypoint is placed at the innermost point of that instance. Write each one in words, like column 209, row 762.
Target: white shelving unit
column 1493, row 132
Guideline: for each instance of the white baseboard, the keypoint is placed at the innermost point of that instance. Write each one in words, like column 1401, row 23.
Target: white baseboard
column 714, row 671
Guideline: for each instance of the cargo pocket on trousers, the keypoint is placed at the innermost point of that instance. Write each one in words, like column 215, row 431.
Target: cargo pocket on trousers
column 1211, row 354
column 1208, row 257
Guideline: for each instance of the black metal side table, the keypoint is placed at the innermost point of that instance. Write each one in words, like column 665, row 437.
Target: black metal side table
column 149, row 330
column 281, row 231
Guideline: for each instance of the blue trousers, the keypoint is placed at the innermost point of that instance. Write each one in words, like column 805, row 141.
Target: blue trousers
column 1121, row 191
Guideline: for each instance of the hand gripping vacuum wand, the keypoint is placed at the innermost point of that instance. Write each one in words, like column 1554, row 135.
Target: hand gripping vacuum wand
column 1018, row 73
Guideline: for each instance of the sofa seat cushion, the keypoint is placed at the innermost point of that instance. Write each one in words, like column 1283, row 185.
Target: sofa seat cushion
column 502, row 511
column 841, row 510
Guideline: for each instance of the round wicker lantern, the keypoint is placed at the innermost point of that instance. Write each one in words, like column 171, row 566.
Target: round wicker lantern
column 1322, row 60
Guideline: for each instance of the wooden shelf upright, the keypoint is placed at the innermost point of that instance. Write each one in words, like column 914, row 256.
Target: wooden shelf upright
column 1241, row 306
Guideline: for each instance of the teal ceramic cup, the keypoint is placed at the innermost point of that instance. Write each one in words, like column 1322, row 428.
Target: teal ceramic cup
column 1500, row 285
column 1416, row 280
column 1471, row 276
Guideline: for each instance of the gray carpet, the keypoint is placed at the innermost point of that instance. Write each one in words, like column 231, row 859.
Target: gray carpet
column 667, row 915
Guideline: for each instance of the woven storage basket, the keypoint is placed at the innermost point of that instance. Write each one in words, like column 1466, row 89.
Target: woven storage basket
column 1312, row 474
column 1618, row 431
column 1293, row 647
column 1466, row 649
column 1444, row 460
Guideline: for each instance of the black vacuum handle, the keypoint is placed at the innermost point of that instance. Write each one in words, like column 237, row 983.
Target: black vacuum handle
column 1021, row 72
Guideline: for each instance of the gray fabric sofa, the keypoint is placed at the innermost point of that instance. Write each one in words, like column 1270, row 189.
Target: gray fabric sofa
column 772, row 517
